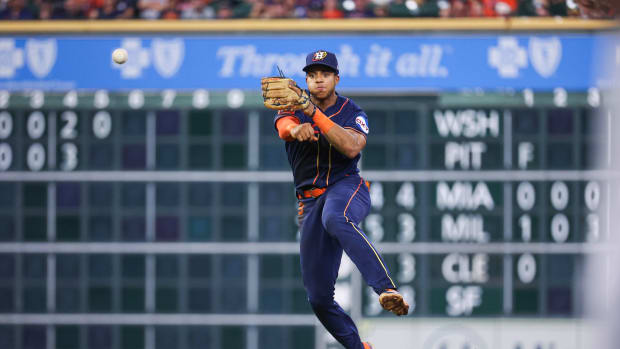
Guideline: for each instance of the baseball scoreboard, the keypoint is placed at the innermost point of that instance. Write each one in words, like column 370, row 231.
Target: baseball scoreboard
column 167, row 219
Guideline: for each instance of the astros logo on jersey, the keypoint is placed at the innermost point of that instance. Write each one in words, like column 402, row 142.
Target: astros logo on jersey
column 319, row 55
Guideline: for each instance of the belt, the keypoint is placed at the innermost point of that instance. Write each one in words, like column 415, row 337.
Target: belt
column 311, row 193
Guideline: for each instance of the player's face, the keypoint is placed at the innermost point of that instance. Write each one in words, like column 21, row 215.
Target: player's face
column 321, row 82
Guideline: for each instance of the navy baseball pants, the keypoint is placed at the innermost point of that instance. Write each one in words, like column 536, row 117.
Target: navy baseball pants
column 329, row 225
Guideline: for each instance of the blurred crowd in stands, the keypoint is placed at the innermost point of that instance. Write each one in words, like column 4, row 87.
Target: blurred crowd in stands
column 215, row 9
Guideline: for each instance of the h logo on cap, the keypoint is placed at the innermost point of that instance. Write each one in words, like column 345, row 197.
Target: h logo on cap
column 319, row 55
column 321, row 58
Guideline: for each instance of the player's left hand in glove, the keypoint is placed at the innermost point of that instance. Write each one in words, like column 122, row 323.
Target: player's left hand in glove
column 393, row 301
column 283, row 93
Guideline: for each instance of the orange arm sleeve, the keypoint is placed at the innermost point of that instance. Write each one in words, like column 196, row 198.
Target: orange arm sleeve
column 284, row 126
column 322, row 121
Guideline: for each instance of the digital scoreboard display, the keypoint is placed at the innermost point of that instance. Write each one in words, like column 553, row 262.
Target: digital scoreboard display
column 181, row 202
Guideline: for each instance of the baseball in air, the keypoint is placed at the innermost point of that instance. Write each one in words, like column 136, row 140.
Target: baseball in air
column 119, row 55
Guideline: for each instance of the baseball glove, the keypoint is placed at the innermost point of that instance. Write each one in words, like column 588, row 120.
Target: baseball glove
column 283, row 93
column 392, row 300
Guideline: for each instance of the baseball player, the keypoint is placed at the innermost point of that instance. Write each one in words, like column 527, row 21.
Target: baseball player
column 325, row 133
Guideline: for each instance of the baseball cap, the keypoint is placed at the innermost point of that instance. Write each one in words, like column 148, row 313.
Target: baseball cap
column 321, row 57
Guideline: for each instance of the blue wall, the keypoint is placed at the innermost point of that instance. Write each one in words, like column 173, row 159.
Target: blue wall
column 367, row 62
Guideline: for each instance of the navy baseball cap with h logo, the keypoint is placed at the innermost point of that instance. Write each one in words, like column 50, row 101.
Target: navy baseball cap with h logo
column 323, row 58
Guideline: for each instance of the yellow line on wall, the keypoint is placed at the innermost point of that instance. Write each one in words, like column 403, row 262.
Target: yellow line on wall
column 304, row 25
column 559, row 23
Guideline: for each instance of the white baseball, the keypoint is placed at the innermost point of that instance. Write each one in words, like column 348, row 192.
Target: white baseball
column 119, row 55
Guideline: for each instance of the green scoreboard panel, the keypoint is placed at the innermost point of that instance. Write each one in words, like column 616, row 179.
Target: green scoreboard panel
column 168, row 220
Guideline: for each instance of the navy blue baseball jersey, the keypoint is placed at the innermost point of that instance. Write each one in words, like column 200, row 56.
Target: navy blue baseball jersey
column 319, row 164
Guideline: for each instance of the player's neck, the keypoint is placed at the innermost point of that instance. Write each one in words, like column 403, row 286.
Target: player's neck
column 325, row 103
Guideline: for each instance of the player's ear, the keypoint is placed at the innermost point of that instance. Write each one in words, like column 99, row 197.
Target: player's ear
column 336, row 79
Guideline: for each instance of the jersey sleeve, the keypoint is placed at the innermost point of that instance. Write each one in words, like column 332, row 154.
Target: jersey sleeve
column 358, row 122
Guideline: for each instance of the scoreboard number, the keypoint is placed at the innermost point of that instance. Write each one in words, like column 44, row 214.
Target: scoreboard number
column 167, row 98
column 35, row 125
column 559, row 195
column 560, row 97
column 101, row 100
column 37, row 99
column 136, row 99
column 406, row 267
column 592, row 195
column 560, row 227
column 68, row 130
column 6, row 156
column 374, row 226
column 102, row 124
column 528, row 97
column 526, row 268
column 70, row 100
column 526, row 196
column 69, row 153
column 6, row 125
column 406, row 231
column 200, row 99
column 592, row 228
column 592, row 199
column 36, row 157
column 4, row 98
column 594, row 97
column 235, row 98
column 406, row 196
column 525, row 223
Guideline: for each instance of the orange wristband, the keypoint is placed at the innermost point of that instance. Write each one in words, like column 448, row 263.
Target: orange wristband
column 322, row 121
